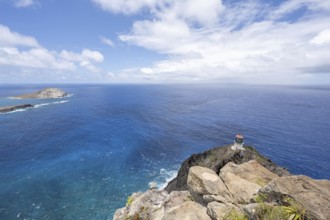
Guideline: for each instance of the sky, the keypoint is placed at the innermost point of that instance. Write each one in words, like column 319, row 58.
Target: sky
column 165, row 41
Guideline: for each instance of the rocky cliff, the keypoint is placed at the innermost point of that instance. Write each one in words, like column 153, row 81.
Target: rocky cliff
column 217, row 158
column 234, row 185
column 48, row 93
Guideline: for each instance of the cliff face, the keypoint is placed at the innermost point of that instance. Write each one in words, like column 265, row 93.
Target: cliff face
column 48, row 93
column 217, row 158
column 226, row 184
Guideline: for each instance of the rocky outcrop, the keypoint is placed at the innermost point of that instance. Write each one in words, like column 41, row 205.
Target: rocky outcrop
column 245, row 180
column 312, row 195
column 240, row 191
column 187, row 211
column 155, row 204
column 203, row 182
column 217, row 158
column 222, row 211
column 6, row 109
column 48, row 93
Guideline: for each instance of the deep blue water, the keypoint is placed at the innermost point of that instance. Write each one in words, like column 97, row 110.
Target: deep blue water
column 82, row 156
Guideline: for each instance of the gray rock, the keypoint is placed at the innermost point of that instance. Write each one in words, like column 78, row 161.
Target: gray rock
column 177, row 198
column 187, row 211
column 221, row 211
column 148, row 205
column 153, row 185
column 312, row 195
column 243, row 190
column 203, row 181
column 214, row 198
column 217, row 158
column 48, row 93
column 254, row 172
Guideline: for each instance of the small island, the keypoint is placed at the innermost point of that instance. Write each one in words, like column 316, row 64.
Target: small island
column 47, row 93
column 6, row 109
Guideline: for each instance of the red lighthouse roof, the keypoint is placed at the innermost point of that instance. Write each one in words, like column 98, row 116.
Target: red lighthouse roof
column 239, row 136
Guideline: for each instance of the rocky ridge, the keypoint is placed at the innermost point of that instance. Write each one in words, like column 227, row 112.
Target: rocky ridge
column 47, row 93
column 237, row 184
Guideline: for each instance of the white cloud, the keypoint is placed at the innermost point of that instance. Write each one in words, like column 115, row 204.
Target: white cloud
column 17, row 50
column 247, row 41
column 24, row 3
column 107, row 41
column 92, row 55
column 8, row 37
column 322, row 38
column 33, row 58
column 126, row 6
column 90, row 67
column 147, row 70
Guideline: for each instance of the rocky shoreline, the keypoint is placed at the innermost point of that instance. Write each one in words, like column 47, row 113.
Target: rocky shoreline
column 7, row 109
column 228, row 184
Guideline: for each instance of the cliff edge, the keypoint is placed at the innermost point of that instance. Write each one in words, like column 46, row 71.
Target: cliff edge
column 218, row 157
column 227, row 184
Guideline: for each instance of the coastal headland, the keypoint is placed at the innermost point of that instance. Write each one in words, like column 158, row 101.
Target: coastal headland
column 227, row 184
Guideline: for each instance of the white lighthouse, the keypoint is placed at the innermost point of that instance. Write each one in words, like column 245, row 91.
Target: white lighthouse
column 238, row 143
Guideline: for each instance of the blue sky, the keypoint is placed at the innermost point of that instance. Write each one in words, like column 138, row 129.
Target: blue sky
column 165, row 41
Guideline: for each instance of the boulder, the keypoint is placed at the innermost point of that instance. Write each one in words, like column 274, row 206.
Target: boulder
column 223, row 211
column 203, row 181
column 244, row 181
column 177, row 198
column 187, row 211
column 254, row 172
column 215, row 159
column 312, row 195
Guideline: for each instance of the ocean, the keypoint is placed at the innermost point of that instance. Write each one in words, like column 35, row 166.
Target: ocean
column 81, row 157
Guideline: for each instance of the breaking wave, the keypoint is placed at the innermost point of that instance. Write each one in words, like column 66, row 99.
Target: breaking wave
column 165, row 177
column 50, row 103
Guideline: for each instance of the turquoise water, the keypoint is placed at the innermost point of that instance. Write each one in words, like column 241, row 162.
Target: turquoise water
column 81, row 157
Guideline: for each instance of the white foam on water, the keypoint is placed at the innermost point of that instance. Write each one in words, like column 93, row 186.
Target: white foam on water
column 17, row 110
column 69, row 95
column 166, row 176
column 12, row 97
column 37, row 106
column 50, row 103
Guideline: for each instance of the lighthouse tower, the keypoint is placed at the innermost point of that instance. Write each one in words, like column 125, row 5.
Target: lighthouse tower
column 238, row 143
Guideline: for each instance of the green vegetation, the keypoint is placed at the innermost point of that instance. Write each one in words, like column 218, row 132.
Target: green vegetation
column 261, row 182
column 235, row 215
column 294, row 210
column 129, row 200
column 261, row 198
column 290, row 211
